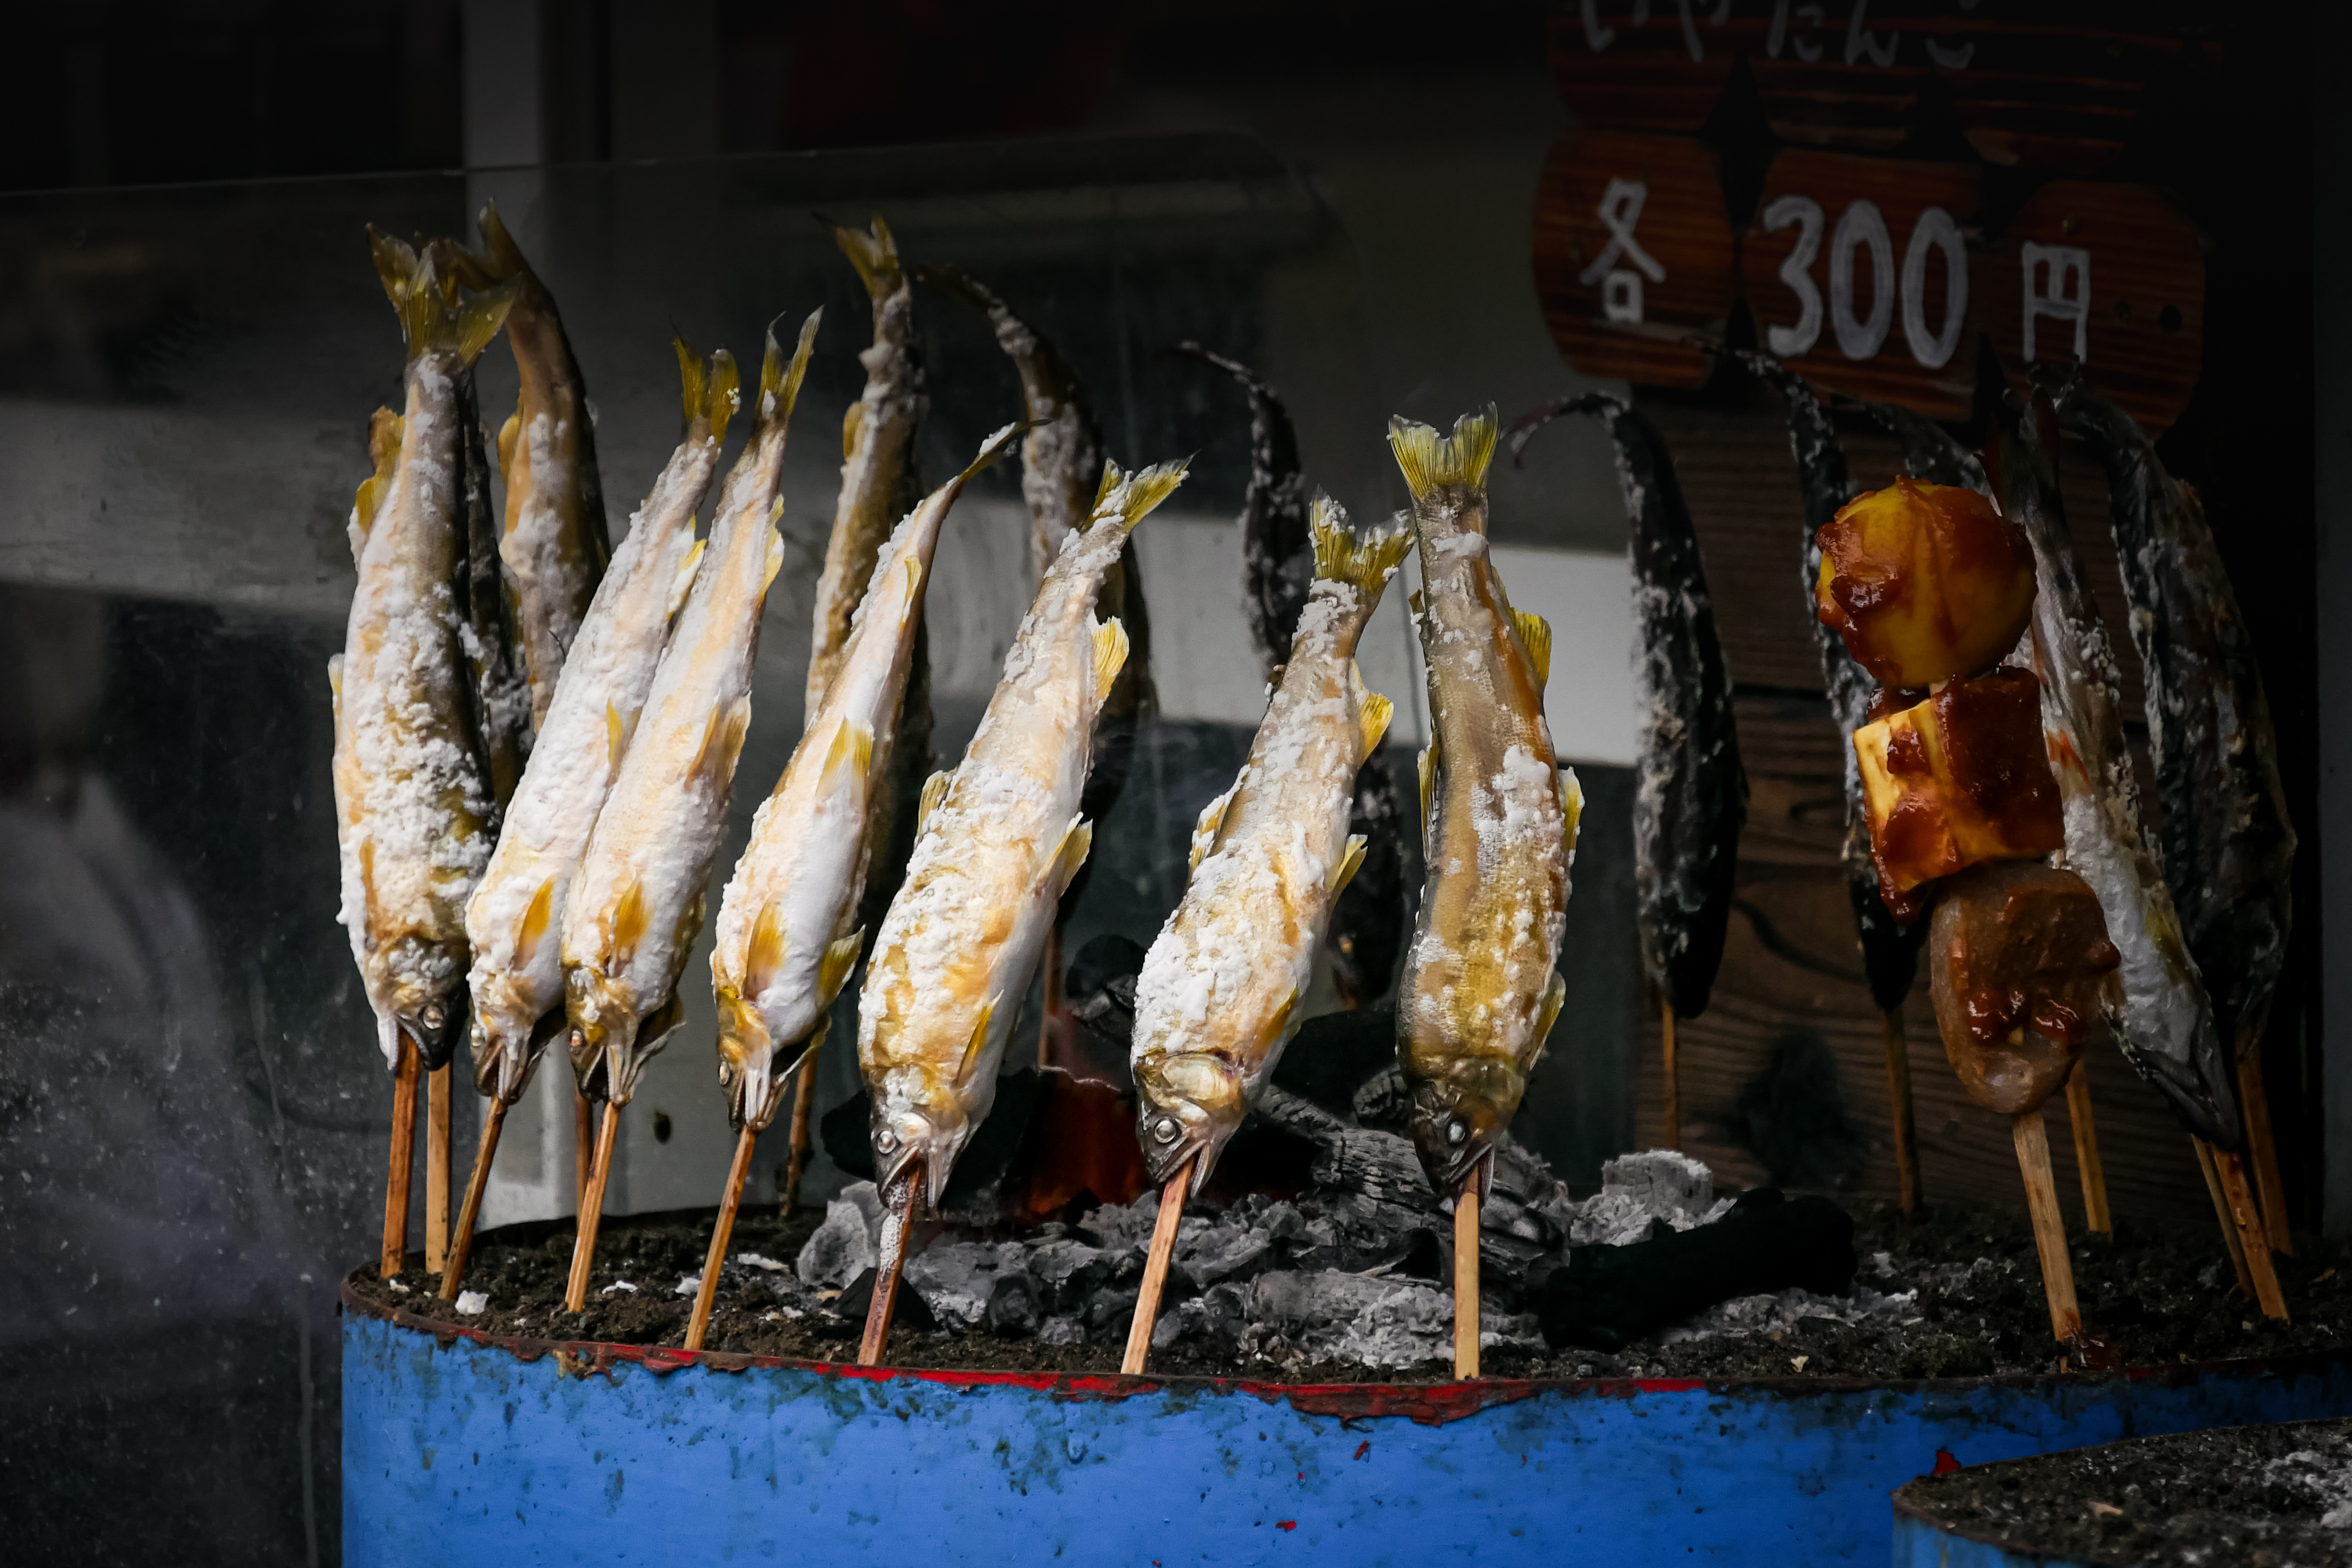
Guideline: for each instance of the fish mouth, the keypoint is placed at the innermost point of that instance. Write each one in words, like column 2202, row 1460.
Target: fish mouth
column 505, row 1054
column 435, row 1026
column 1455, row 1137
column 1171, row 1139
column 903, row 1138
column 1188, row 1107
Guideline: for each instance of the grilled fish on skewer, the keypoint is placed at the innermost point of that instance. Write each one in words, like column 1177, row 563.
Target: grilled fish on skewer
column 554, row 546
column 1690, row 794
column 996, row 850
column 636, row 903
column 785, row 938
column 1214, row 1003
column 516, row 918
column 1367, row 930
column 412, row 805
column 1479, row 995
column 2167, row 1024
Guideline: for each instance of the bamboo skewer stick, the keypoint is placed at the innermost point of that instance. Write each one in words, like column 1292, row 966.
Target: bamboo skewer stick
column 720, row 1234
column 1155, row 1270
column 592, row 1212
column 1673, row 1090
column 2221, row 1212
column 2086, row 1151
column 2262, row 1144
column 1465, row 1280
column 2049, row 1226
column 583, row 1146
column 461, row 1241
column 2248, row 1218
column 796, row 1159
column 1898, row 1093
column 404, row 1154
column 437, row 1169
column 897, row 1220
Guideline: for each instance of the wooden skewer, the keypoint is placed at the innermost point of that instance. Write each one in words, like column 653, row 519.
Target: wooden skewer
column 2262, row 1143
column 2231, row 1170
column 437, row 1169
column 404, row 1154
column 1465, row 1280
column 1051, row 1013
column 897, row 1220
column 461, row 1241
column 2048, row 1226
column 720, row 1234
column 592, row 1212
column 584, row 1145
column 804, row 1127
column 1673, row 1092
column 1155, row 1270
column 2086, row 1151
column 1898, row 1093
column 2221, row 1212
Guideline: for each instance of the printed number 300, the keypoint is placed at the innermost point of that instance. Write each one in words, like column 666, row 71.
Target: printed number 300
column 1862, row 225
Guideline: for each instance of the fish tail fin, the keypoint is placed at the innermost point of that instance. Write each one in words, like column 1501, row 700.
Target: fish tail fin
column 873, row 253
column 993, row 450
column 505, row 256
column 1128, row 499
column 1430, row 462
column 426, row 319
column 711, row 387
column 1345, row 556
column 780, row 379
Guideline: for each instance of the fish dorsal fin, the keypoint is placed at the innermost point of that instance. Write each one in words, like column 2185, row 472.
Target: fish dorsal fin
column 682, row 584
column 977, row 1046
column 840, row 958
column 1534, row 632
column 1572, row 810
column 1110, row 655
column 536, row 920
column 1373, row 712
column 764, row 957
column 853, row 750
column 852, row 422
column 1071, row 853
column 1205, row 831
column 628, row 926
column 935, row 790
column 1430, row 462
column 1547, row 1015
column 1348, row 862
column 722, row 743
column 1428, row 777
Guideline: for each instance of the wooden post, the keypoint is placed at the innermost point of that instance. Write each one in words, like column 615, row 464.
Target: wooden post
column 2086, row 1151
column 2048, row 1226
column 437, row 1169
column 2262, row 1143
column 2221, row 1212
column 1466, row 1275
column 584, row 1144
column 1674, row 1091
column 461, row 1242
column 804, row 1128
column 720, row 1233
column 1898, row 1094
column 1155, row 1270
column 592, row 1212
column 2248, row 1218
column 897, row 1221
column 404, row 1154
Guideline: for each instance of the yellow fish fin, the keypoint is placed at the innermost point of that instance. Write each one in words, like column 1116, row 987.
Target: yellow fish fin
column 763, row 959
column 617, row 731
column 426, row 318
column 627, row 928
column 1110, row 655
column 935, row 790
column 780, row 379
column 974, row 1047
column 722, row 743
column 683, row 583
column 1572, row 810
column 1205, row 831
column 1348, row 864
column 1373, row 712
column 335, row 678
column 1428, row 761
column 1429, row 460
column 385, row 430
column 852, row 422
column 875, row 254
column 536, row 919
column 1136, row 494
column 1110, row 482
column 995, row 447
column 711, row 388
column 1547, row 1015
column 1343, row 557
column 1278, row 1028
column 1536, row 633
column 853, row 748
column 840, row 958
column 1071, row 853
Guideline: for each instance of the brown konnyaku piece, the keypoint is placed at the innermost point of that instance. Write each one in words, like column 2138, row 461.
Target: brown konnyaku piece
column 404, row 1154
column 2021, row 967
column 461, row 1242
column 592, row 1211
column 1155, row 1270
column 1465, row 1280
column 897, row 1222
column 721, row 1232
column 436, row 1170
column 2096, row 1215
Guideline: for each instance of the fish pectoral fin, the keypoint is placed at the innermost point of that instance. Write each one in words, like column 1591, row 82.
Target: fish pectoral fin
column 1071, row 853
column 1373, row 712
column 935, row 790
column 852, row 423
column 1110, row 655
column 1348, row 862
column 764, row 957
column 840, row 958
column 335, row 681
column 1571, row 809
column 683, row 583
column 618, row 732
column 1427, row 763
column 850, row 761
column 722, row 743
column 1547, row 1015
column 976, row 1046
column 626, row 928
column 775, row 562
column 1205, row 831
column 509, row 438
column 1534, row 632
column 536, row 919
column 661, row 1021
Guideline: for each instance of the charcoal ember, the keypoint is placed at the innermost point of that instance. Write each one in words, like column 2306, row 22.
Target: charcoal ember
column 1070, row 1272
column 1015, row 1310
column 847, row 1310
column 1220, row 1252
column 1218, row 1313
column 1371, row 1320
column 845, row 1245
column 959, row 1278
column 1639, row 1193
column 1111, row 1312
column 1608, row 1297
column 1383, row 1100
column 1061, row 1330
column 1335, row 1054
column 1098, row 987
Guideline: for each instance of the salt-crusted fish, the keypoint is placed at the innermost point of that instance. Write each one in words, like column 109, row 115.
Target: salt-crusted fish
column 2228, row 847
column 2166, row 1028
column 637, row 903
column 1216, row 1001
column 413, row 806
column 1690, row 794
column 494, row 655
column 515, row 920
column 554, row 547
column 996, row 850
column 785, row 941
column 1367, row 930
column 1479, row 995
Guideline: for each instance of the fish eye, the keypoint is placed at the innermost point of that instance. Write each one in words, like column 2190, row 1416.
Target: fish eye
column 1165, row 1129
column 885, row 1140
column 431, row 1015
column 1457, row 1132
column 480, row 1036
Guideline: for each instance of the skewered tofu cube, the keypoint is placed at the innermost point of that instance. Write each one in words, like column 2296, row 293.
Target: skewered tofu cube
column 1924, row 582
